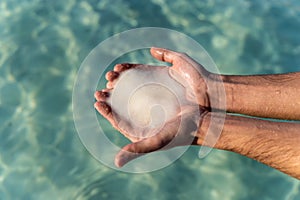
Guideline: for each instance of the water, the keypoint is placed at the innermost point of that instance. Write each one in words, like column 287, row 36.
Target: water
column 41, row 48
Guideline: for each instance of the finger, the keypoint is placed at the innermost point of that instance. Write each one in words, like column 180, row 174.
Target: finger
column 140, row 148
column 106, row 90
column 111, row 75
column 105, row 110
column 164, row 55
column 124, row 66
column 110, row 85
column 101, row 95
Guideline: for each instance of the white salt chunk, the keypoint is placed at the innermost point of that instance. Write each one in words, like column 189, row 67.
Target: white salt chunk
column 147, row 98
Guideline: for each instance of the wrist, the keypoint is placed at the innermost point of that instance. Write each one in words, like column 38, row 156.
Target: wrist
column 216, row 92
column 230, row 138
column 239, row 92
column 211, row 123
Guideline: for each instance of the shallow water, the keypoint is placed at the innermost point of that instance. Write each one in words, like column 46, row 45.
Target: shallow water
column 41, row 48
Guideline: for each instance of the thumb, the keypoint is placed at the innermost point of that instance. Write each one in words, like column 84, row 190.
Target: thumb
column 140, row 148
column 164, row 55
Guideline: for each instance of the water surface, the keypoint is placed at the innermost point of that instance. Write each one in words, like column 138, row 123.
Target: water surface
column 41, row 48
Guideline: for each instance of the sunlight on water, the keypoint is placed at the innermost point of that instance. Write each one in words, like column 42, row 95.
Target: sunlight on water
column 42, row 46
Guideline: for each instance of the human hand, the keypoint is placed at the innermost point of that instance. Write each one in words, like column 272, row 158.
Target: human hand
column 175, row 132
column 189, row 73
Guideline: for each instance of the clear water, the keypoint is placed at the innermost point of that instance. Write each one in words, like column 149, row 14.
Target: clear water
column 42, row 44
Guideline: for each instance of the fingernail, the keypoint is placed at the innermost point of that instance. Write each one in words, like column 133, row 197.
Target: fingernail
column 96, row 104
column 119, row 162
column 158, row 50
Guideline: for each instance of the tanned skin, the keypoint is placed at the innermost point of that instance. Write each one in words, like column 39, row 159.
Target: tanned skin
column 277, row 96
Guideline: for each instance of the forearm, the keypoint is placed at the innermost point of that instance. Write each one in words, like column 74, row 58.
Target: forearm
column 276, row 144
column 270, row 96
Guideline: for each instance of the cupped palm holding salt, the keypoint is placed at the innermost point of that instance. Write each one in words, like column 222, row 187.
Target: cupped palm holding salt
column 145, row 99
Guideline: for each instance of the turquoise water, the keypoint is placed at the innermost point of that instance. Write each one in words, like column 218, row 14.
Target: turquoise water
column 42, row 44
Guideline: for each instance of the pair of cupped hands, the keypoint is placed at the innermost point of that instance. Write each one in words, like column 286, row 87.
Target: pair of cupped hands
column 195, row 79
